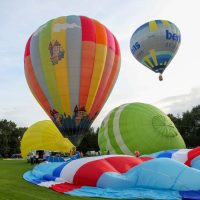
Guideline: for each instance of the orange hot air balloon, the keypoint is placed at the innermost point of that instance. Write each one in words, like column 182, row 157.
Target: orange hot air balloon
column 71, row 65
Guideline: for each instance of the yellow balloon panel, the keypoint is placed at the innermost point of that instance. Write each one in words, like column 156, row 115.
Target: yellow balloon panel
column 44, row 135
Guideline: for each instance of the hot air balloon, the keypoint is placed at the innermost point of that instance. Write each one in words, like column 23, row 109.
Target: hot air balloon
column 138, row 126
column 155, row 43
column 120, row 177
column 71, row 65
column 44, row 135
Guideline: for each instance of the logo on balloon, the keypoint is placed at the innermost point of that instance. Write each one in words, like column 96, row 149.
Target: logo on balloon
column 56, row 52
column 172, row 36
column 135, row 47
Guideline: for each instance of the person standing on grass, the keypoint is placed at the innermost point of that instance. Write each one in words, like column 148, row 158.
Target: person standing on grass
column 37, row 158
column 137, row 153
column 31, row 158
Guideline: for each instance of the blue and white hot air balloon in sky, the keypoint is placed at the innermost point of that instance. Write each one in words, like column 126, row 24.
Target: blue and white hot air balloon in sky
column 155, row 43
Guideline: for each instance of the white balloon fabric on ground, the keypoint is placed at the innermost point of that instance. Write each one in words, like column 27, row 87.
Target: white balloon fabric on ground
column 122, row 176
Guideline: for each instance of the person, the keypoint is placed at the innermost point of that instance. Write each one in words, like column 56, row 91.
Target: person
column 44, row 157
column 137, row 153
column 31, row 158
column 37, row 158
column 81, row 154
column 70, row 152
column 108, row 152
column 160, row 77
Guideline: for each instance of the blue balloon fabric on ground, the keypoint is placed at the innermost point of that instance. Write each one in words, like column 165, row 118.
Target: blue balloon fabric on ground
column 124, row 177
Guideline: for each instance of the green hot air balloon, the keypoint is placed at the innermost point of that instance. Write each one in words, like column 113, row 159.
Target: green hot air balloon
column 138, row 126
column 155, row 43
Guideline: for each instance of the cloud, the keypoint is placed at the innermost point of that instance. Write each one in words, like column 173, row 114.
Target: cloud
column 23, row 115
column 180, row 103
column 173, row 104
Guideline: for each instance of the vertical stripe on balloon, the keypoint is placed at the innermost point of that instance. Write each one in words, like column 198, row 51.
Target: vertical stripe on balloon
column 47, row 66
column 153, row 55
column 166, row 23
column 112, row 79
column 34, row 86
column 148, row 62
column 74, row 44
column 35, row 58
column 99, row 63
column 27, row 48
column 111, row 135
column 58, row 34
column 102, row 140
column 87, row 58
column 116, row 130
column 107, row 71
column 108, row 139
column 26, row 70
column 27, row 79
column 152, row 26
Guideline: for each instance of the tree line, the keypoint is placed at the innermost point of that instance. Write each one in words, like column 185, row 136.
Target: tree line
column 11, row 135
column 188, row 125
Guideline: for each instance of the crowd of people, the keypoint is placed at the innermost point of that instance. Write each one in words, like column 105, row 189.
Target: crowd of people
column 36, row 157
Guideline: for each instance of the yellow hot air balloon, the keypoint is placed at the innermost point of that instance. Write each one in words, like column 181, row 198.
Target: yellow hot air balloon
column 44, row 135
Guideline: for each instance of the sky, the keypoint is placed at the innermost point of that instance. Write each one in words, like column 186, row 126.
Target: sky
column 180, row 90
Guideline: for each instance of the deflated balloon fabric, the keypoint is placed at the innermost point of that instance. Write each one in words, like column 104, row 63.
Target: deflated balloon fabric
column 119, row 176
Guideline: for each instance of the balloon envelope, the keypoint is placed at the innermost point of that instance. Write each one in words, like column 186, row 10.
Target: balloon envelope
column 119, row 177
column 155, row 43
column 71, row 65
column 44, row 135
column 138, row 126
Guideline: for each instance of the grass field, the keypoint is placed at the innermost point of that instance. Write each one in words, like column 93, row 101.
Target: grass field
column 14, row 187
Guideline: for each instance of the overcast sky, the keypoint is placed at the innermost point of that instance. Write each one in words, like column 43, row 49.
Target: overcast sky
column 180, row 90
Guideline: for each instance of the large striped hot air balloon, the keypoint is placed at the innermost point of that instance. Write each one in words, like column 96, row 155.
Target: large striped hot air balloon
column 71, row 65
column 155, row 43
column 138, row 127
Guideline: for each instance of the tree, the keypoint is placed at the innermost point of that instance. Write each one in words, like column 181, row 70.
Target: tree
column 90, row 141
column 189, row 126
column 10, row 137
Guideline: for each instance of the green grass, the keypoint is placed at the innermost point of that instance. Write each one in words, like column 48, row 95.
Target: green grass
column 14, row 187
